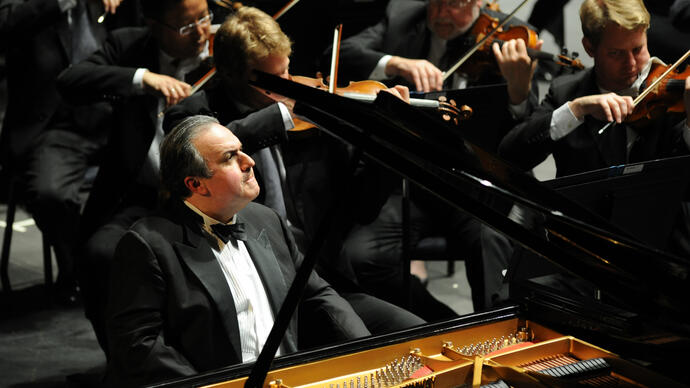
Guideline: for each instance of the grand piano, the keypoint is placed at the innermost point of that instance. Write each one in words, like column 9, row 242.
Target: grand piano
column 627, row 324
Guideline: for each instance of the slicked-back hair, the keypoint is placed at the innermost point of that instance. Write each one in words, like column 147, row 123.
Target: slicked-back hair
column 596, row 14
column 180, row 158
column 246, row 38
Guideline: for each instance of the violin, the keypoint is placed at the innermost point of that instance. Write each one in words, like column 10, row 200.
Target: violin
column 662, row 91
column 487, row 30
column 665, row 96
column 367, row 90
column 485, row 61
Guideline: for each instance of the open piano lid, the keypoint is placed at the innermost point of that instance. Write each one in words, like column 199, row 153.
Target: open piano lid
column 437, row 157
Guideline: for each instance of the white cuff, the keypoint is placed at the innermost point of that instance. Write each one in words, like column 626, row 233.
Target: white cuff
column 563, row 121
column 379, row 72
column 287, row 119
column 138, row 81
column 66, row 4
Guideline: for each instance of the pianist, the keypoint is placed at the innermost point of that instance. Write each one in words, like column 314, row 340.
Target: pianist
column 189, row 295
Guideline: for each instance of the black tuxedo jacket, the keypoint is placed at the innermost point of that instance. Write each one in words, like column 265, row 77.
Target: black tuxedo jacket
column 529, row 143
column 38, row 41
column 108, row 75
column 172, row 312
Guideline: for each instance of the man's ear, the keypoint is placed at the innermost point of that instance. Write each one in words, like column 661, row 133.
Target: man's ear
column 589, row 47
column 194, row 185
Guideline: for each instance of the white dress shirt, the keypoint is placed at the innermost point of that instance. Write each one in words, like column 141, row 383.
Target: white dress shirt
column 254, row 314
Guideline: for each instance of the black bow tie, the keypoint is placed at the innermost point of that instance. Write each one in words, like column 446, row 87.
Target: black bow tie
column 224, row 232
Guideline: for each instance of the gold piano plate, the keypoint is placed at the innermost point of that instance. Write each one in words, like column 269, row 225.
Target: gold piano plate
column 512, row 350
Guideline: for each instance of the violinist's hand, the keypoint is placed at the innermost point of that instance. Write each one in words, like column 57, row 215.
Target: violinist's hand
column 516, row 67
column 165, row 86
column 400, row 91
column 111, row 5
column 604, row 107
column 423, row 74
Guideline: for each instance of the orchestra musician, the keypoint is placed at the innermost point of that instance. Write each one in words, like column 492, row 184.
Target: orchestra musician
column 141, row 71
column 46, row 143
column 568, row 121
column 315, row 165
column 413, row 43
column 188, row 296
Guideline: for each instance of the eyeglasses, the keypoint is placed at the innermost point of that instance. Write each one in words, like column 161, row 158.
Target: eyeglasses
column 186, row 30
column 452, row 3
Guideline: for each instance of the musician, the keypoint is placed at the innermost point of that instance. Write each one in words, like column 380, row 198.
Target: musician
column 188, row 298
column 416, row 41
column 141, row 71
column 47, row 145
column 568, row 121
column 316, row 165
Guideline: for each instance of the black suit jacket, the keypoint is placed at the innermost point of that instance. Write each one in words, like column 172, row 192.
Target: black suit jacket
column 172, row 312
column 108, row 75
column 38, row 41
column 529, row 143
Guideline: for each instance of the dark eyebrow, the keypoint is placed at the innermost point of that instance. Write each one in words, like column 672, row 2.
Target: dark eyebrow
column 233, row 152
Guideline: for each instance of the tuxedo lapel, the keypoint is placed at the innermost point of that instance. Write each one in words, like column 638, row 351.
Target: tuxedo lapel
column 271, row 274
column 267, row 265
column 197, row 255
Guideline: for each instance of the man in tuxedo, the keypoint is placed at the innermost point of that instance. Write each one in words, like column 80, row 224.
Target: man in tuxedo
column 47, row 144
column 188, row 296
column 569, row 120
column 141, row 70
column 316, row 167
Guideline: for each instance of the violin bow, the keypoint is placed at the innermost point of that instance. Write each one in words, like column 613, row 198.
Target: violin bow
column 479, row 44
column 651, row 87
column 335, row 56
column 202, row 81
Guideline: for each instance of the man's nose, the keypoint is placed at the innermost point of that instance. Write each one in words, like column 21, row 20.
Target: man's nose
column 246, row 161
column 630, row 58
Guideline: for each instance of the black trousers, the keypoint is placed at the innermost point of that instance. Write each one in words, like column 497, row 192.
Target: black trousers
column 55, row 191
column 375, row 252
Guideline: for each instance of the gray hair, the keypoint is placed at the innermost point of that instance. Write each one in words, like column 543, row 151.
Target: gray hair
column 179, row 157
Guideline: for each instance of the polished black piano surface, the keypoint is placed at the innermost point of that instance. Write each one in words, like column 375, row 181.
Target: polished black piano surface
column 604, row 288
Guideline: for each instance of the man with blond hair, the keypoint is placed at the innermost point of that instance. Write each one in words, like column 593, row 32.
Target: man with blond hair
column 577, row 106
